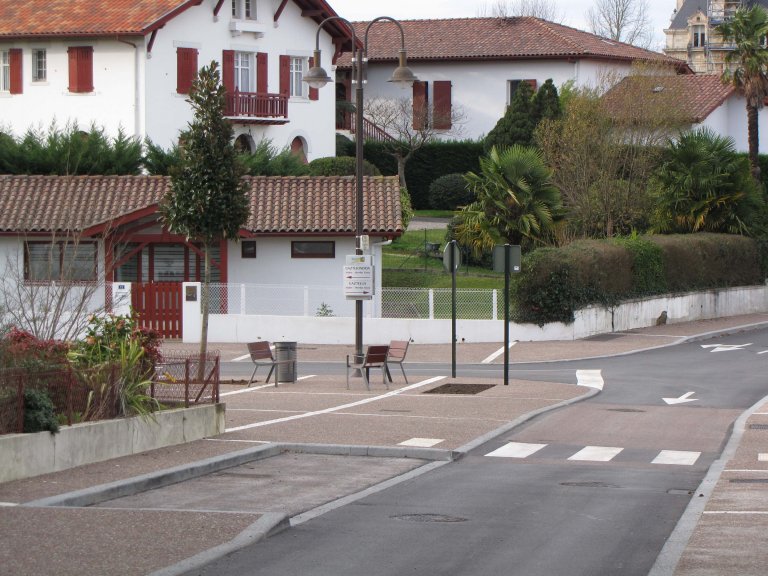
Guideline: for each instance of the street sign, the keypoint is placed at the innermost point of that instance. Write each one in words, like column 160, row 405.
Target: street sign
column 358, row 278
column 447, row 257
column 514, row 259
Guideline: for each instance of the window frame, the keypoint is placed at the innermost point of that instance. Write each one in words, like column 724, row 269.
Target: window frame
column 248, row 249
column 249, row 68
column 698, row 36
column 5, row 71
column 57, row 249
column 244, row 9
column 39, row 73
column 296, row 76
column 328, row 254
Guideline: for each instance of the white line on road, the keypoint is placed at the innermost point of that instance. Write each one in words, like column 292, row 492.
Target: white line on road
column 596, row 454
column 676, row 457
column 590, row 379
column 337, row 408
column 498, row 353
column 516, row 450
column 240, row 358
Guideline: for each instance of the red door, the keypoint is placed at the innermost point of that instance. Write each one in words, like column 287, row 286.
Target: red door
column 158, row 305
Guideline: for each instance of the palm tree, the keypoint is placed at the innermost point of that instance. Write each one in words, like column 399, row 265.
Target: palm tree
column 516, row 201
column 704, row 185
column 746, row 67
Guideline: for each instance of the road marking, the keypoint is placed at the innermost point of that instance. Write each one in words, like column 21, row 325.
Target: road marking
column 725, row 347
column 516, row 450
column 240, row 358
column 676, row 457
column 8, row 504
column 590, row 378
column 422, row 442
column 498, row 353
column 337, row 408
column 763, row 352
column 683, row 399
column 762, row 457
column 247, row 389
column 736, row 512
column 596, row 454
column 307, row 377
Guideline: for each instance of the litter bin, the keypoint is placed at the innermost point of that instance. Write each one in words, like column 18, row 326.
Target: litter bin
column 285, row 354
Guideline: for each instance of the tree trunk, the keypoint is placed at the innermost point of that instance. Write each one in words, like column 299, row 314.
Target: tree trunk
column 754, row 142
column 205, row 298
column 401, row 170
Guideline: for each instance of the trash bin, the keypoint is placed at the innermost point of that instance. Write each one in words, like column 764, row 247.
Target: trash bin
column 285, row 354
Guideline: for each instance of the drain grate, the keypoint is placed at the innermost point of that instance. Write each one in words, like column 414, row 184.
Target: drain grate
column 749, row 480
column 758, row 426
column 429, row 518
column 460, row 389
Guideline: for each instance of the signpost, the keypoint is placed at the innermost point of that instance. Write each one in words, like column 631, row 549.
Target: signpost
column 358, row 278
column 452, row 262
column 506, row 259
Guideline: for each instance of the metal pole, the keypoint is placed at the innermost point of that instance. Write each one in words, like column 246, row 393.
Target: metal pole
column 359, row 195
column 453, row 308
column 507, row 271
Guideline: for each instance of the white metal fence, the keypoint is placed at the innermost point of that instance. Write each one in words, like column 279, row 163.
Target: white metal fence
column 292, row 300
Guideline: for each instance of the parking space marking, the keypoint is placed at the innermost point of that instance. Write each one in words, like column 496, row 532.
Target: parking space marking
column 516, row 450
column 596, row 454
column 676, row 457
column 496, row 354
column 422, row 442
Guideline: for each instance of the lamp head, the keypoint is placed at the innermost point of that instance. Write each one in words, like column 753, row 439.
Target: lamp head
column 403, row 76
column 316, row 77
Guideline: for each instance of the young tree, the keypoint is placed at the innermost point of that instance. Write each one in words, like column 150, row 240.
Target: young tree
column 622, row 20
column 411, row 128
column 516, row 201
column 517, row 124
column 746, row 68
column 544, row 9
column 546, row 102
column 208, row 200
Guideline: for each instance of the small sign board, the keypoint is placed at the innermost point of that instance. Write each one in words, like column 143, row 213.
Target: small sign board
column 514, row 259
column 190, row 294
column 447, row 257
column 358, row 278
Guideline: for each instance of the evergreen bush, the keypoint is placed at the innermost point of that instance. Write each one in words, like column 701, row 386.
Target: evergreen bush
column 340, row 166
column 449, row 192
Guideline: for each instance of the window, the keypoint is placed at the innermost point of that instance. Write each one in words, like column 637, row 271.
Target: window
column 186, row 69
column 512, row 88
column 248, row 249
column 10, row 71
column 699, row 36
column 244, row 9
column 48, row 261
column 80, row 68
column 297, row 76
column 243, row 71
column 39, row 66
column 313, row 249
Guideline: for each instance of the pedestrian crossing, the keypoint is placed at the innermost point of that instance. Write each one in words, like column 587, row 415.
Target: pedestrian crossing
column 523, row 450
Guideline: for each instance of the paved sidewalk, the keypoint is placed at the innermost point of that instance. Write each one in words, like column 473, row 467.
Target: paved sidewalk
column 341, row 442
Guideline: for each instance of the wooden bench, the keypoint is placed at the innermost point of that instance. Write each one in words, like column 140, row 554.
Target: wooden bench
column 396, row 355
column 375, row 357
column 261, row 355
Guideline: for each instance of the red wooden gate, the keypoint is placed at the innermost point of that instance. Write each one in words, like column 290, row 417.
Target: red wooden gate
column 159, row 307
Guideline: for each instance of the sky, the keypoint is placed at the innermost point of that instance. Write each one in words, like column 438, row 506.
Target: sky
column 573, row 11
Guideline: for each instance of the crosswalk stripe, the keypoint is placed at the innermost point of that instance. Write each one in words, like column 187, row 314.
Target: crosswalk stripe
column 676, row 457
column 596, row 454
column 516, row 450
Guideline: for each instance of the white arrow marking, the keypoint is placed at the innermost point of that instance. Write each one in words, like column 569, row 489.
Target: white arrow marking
column 590, row 378
column 684, row 398
column 725, row 347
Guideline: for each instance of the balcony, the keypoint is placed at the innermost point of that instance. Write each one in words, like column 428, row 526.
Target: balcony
column 256, row 108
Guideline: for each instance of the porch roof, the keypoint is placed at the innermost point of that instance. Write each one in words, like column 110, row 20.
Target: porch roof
column 279, row 205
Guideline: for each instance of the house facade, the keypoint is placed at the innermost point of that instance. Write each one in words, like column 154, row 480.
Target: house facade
column 692, row 37
column 129, row 66
column 473, row 65
column 99, row 231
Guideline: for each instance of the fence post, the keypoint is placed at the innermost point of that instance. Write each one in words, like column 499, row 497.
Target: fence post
column 431, row 304
column 186, row 382
column 242, row 299
column 495, row 304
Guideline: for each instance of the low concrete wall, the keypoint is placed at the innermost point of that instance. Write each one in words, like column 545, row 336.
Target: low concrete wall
column 588, row 322
column 25, row 455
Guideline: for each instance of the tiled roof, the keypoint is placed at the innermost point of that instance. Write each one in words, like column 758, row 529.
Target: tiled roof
column 690, row 7
column 494, row 39
column 279, row 205
column 48, row 18
column 696, row 95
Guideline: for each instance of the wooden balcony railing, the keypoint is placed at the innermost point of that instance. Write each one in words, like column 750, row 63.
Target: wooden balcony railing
column 256, row 105
column 370, row 130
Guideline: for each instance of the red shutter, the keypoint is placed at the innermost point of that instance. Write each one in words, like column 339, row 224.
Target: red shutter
column 420, row 103
column 262, row 78
column 285, row 75
column 228, row 70
column 186, row 69
column 17, row 79
column 80, row 68
column 531, row 83
column 314, row 93
column 442, row 108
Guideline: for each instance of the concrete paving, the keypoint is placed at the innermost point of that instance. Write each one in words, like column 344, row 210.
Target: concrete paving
column 293, row 451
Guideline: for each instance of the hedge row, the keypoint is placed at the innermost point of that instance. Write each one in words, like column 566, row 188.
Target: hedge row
column 555, row 282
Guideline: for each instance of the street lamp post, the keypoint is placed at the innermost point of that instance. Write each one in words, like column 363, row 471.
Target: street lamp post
column 317, row 77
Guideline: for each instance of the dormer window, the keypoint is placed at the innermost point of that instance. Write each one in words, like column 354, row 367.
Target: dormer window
column 698, row 36
column 244, row 9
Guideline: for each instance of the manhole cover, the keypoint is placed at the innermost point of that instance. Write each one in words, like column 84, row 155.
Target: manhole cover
column 633, row 410
column 589, row 484
column 758, row 426
column 428, row 518
column 459, row 389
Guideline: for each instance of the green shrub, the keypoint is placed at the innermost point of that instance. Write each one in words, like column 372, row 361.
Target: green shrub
column 23, row 350
column 450, row 192
column 647, row 265
column 39, row 413
column 340, row 166
column 344, row 146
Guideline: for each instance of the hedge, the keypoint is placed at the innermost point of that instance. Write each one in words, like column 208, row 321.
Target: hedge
column 555, row 282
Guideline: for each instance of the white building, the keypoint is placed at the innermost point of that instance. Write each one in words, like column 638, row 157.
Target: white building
column 129, row 66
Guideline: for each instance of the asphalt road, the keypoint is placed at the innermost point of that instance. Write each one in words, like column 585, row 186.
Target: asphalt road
column 595, row 488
